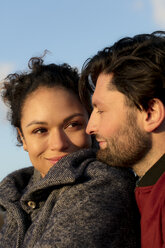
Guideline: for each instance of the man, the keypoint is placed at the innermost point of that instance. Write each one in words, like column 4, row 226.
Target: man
column 128, row 120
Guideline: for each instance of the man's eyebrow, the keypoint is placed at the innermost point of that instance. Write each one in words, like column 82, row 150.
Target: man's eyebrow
column 97, row 102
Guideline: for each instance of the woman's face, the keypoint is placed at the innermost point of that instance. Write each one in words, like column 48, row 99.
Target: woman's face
column 53, row 125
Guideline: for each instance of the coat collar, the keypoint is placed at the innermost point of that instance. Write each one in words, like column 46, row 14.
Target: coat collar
column 24, row 183
column 153, row 174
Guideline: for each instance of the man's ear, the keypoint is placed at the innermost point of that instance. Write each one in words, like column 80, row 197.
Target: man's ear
column 22, row 139
column 154, row 116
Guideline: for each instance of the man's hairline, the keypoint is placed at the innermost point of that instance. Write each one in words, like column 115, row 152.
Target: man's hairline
column 112, row 87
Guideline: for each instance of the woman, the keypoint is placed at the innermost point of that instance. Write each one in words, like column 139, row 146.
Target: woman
column 67, row 198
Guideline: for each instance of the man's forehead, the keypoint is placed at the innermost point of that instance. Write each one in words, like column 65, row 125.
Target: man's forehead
column 104, row 81
column 103, row 85
column 97, row 100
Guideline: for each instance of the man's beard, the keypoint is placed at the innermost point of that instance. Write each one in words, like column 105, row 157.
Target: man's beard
column 127, row 147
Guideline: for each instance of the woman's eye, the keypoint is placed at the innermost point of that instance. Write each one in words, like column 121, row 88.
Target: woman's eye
column 39, row 130
column 74, row 124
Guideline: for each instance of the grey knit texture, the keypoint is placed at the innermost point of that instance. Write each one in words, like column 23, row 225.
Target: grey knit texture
column 81, row 202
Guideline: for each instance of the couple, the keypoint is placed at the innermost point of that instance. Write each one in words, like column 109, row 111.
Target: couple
column 69, row 198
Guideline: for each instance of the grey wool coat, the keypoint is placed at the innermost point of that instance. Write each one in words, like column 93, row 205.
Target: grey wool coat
column 81, row 202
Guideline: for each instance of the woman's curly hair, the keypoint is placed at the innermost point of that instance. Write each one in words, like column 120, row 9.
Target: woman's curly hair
column 16, row 87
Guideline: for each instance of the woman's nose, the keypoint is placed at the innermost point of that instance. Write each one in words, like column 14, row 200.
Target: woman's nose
column 58, row 140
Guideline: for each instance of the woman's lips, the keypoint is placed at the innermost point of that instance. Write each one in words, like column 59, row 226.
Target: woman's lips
column 54, row 160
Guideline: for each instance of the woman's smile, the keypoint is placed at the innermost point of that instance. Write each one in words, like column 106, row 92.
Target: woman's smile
column 54, row 160
column 53, row 125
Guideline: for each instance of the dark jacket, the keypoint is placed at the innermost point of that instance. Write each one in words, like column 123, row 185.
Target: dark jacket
column 150, row 196
column 80, row 203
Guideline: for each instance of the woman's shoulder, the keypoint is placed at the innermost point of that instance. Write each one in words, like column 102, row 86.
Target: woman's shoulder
column 17, row 179
column 21, row 173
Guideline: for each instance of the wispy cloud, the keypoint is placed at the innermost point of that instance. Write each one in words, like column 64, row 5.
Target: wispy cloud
column 3, row 113
column 159, row 12
column 138, row 5
column 5, row 69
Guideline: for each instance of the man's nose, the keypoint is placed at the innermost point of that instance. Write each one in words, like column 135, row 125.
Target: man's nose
column 92, row 125
column 58, row 140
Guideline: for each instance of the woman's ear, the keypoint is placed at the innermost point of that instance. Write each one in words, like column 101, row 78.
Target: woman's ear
column 154, row 116
column 22, row 139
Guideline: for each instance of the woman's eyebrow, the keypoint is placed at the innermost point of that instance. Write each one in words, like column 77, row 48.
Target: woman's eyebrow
column 72, row 116
column 36, row 123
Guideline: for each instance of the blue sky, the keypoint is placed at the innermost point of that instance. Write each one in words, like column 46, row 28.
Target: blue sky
column 72, row 30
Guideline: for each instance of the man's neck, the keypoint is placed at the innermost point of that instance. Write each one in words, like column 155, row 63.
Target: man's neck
column 154, row 154
column 147, row 162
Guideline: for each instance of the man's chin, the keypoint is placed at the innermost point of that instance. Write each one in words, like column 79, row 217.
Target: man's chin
column 103, row 155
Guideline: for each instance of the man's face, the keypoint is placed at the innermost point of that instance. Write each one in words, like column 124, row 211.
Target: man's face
column 117, row 126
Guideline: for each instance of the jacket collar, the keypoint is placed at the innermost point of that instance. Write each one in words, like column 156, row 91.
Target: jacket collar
column 25, row 181
column 153, row 174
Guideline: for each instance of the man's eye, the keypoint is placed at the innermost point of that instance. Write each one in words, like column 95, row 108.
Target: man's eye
column 39, row 130
column 99, row 112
